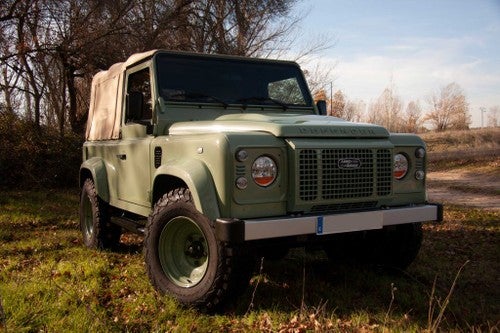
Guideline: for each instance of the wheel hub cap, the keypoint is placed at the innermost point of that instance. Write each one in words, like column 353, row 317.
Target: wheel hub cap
column 195, row 249
column 183, row 252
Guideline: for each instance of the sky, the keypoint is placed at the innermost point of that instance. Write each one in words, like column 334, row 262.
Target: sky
column 417, row 46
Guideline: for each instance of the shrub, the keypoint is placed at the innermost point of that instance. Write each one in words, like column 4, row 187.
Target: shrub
column 37, row 157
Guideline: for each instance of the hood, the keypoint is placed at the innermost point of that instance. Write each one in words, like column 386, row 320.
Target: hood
column 281, row 125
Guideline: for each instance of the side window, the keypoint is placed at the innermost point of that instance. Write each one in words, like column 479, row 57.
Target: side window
column 139, row 104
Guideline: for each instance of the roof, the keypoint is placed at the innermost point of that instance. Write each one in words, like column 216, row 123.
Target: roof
column 121, row 66
column 106, row 101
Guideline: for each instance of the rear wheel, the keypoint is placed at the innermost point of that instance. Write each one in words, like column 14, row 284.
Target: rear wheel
column 97, row 230
column 397, row 246
column 183, row 256
column 393, row 247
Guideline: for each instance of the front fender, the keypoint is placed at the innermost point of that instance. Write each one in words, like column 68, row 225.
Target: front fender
column 199, row 181
column 96, row 168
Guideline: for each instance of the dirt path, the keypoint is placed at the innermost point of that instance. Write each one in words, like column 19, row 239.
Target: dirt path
column 478, row 187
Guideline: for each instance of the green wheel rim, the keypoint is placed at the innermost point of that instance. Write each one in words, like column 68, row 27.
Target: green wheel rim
column 88, row 220
column 183, row 252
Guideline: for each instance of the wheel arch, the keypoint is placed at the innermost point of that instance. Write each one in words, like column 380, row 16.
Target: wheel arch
column 193, row 175
column 95, row 169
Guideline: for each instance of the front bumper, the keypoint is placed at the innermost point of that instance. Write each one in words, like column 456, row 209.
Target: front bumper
column 235, row 230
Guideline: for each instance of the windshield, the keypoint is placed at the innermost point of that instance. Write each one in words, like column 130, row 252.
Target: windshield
column 189, row 78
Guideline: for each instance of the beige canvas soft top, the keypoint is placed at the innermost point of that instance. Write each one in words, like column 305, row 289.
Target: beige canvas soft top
column 105, row 100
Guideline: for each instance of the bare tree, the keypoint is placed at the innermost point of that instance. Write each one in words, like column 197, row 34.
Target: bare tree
column 449, row 109
column 8, row 83
column 49, row 49
column 56, row 44
column 386, row 111
column 319, row 95
column 27, row 17
column 412, row 118
column 233, row 26
column 354, row 110
column 8, row 9
column 342, row 107
column 493, row 115
column 318, row 78
column 337, row 109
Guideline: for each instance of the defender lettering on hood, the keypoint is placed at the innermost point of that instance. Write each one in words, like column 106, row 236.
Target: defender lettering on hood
column 281, row 125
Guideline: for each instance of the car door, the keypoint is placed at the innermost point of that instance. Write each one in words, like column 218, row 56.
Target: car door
column 133, row 157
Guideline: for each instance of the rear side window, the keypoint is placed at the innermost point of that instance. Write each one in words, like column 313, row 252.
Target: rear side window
column 140, row 83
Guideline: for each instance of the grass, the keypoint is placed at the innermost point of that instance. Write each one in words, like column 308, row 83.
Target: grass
column 50, row 282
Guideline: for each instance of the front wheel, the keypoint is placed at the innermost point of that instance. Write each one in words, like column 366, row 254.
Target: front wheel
column 183, row 256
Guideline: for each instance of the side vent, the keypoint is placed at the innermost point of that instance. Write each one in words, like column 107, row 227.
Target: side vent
column 157, row 157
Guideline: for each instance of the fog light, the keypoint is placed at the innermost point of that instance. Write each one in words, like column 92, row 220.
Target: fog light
column 419, row 174
column 241, row 183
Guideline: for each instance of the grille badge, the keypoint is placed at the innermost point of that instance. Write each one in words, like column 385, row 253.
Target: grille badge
column 349, row 163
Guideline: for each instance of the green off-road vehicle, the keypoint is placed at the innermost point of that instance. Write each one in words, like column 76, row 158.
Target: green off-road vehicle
column 219, row 160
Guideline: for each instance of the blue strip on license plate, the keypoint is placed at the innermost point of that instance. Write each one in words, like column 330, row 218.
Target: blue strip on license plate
column 319, row 225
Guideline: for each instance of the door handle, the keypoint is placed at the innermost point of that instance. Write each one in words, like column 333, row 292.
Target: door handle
column 122, row 156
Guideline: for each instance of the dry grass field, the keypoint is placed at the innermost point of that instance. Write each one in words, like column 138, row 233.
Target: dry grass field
column 465, row 167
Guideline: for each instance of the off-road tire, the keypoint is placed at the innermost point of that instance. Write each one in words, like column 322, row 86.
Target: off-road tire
column 394, row 247
column 97, row 230
column 398, row 246
column 178, row 236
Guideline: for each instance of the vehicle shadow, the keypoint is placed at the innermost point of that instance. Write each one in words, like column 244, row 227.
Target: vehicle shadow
column 462, row 263
column 308, row 281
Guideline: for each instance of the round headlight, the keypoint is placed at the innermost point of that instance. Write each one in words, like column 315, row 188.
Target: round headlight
column 264, row 171
column 420, row 152
column 400, row 166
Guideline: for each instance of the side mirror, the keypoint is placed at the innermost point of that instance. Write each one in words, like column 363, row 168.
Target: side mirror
column 321, row 105
column 135, row 103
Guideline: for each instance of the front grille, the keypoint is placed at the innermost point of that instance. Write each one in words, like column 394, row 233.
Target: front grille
column 344, row 173
column 308, row 174
column 340, row 183
column 384, row 172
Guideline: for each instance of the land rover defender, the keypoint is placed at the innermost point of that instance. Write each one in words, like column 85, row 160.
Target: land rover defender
column 219, row 159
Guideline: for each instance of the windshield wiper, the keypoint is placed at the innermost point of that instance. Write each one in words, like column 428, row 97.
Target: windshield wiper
column 191, row 94
column 262, row 99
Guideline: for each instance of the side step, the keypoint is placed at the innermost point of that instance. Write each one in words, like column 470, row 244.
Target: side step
column 131, row 225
